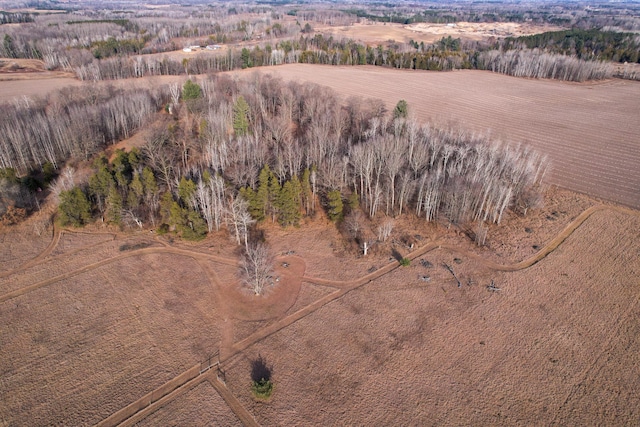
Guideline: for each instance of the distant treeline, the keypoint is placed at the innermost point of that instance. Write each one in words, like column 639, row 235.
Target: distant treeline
column 442, row 56
column 584, row 44
column 15, row 17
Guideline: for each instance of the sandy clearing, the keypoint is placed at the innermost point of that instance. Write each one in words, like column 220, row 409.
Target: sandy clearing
column 373, row 32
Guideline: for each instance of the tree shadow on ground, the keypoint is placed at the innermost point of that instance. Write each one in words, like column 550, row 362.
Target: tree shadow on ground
column 260, row 371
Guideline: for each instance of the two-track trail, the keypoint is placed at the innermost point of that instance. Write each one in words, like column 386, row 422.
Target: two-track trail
column 185, row 381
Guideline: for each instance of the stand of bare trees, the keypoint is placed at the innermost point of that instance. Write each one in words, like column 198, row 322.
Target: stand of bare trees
column 78, row 123
column 232, row 152
column 542, row 65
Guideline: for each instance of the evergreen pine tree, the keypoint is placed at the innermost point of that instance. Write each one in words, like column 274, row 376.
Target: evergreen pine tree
column 166, row 203
column 274, row 196
column 262, row 194
column 289, row 209
column 151, row 194
column 353, row 201
column 134, row 159
column 297, row 191
column 74, row 208
column 241, row 117
column 401, row 111
column 307, row 194
column 149, row 181
column 186, row 191
column 121, row 168
column 335, row 205
column 114, row 206
column 177, row 216
column 256, row 209
column 136, row 191
column 191, row 91
column 101, row 182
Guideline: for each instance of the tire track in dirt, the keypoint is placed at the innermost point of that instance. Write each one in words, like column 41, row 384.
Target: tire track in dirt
column 57, row 236
column 347, row 286
column 148, row 406
column 243, row 415
column 55, row 239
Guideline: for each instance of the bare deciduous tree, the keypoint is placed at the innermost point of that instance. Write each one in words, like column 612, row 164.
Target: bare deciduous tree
column 384, row 230
column 239, row 220
column 257, row 267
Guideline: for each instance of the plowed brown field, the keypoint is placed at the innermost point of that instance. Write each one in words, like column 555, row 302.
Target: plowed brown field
column 590, row 131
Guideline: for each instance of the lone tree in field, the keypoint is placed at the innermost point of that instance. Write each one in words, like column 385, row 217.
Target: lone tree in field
column 261, row 384
column 257, row 267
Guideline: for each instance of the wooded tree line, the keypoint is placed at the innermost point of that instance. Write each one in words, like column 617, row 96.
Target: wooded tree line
column 70, row 43
column 522, row 63
column 259, row 149
column 15, row 17
column 584, row 44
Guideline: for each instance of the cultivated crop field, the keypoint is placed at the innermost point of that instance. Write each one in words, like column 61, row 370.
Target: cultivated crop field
column 348, row 337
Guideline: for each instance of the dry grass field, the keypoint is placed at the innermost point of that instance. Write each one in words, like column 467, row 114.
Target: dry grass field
column 556, row 345
column 351, row 339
